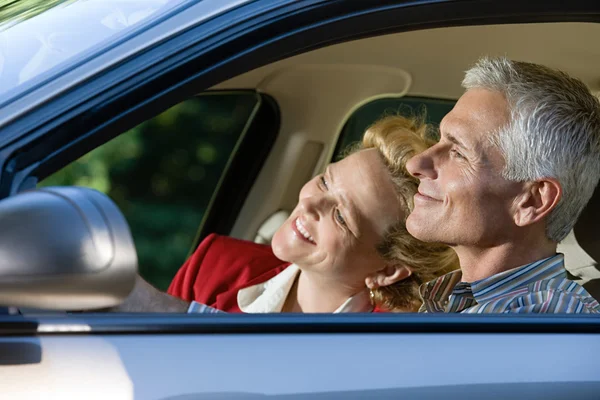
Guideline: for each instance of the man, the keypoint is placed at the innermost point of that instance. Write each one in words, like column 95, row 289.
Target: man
column 518, row 159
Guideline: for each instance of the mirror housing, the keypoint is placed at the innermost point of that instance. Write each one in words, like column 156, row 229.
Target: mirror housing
column 64, row 248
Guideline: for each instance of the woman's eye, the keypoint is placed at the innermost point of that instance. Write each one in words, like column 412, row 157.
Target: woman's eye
column 340, row 217
column 324, row 182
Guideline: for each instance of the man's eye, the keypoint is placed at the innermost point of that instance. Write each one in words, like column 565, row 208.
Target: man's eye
column 340, row 217
column 455, row 153
column 324, row 182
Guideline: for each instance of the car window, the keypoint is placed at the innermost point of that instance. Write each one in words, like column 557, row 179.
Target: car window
column 63, row 33
column 361, row 119
column 162, row 174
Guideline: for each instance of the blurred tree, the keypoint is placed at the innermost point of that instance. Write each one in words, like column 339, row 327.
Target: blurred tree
column 15, row 11
column 163, row 173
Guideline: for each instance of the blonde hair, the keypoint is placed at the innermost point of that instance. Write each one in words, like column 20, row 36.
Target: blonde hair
column 397, row 139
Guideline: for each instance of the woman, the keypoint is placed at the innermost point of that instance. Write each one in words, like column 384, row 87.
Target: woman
column 344, row 248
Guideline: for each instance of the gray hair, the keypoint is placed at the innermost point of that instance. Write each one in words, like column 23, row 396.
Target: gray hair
column 554, row 131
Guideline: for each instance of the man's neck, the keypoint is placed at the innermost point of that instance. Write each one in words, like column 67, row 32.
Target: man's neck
column 481, row 263
column 316, row 294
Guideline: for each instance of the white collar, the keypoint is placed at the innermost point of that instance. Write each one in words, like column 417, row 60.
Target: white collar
column 270, row 296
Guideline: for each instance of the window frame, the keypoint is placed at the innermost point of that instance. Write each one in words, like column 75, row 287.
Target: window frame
column 242, row 169
column 265, row 324
column 141, row 87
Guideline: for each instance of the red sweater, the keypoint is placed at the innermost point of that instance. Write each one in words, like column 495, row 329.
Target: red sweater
column 220, row 267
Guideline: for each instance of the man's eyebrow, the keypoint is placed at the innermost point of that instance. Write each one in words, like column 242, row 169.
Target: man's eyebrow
column 450, row 137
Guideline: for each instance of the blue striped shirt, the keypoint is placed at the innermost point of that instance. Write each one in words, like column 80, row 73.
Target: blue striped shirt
column 539, row 287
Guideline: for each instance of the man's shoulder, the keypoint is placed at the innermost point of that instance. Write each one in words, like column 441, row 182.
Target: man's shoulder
column 560, row 284
column 558, row 294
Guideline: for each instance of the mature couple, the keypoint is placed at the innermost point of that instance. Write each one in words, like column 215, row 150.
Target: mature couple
column 385, row 228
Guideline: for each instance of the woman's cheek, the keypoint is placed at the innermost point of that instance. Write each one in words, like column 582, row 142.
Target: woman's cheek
column 334, row 247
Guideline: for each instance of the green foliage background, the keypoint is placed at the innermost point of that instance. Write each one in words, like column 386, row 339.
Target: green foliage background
column 15, row 11
column 162, row 174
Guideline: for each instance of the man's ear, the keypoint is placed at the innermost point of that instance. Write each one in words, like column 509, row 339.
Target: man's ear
column 388, row 276
column 538, row 200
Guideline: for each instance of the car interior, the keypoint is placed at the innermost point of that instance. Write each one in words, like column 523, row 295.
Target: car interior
column 317, row 92
column 322, row 100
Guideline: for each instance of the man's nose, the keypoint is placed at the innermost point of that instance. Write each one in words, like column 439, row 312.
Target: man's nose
column 422, row 165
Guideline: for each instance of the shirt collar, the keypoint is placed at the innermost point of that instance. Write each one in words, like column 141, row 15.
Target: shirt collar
column 435, row 293
column 270, row 296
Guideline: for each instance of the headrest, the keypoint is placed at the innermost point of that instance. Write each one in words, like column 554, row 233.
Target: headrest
column 586, row 228
column 270, row 226
column 582, row 247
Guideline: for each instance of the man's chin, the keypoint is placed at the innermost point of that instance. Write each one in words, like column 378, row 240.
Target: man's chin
column 424, row 231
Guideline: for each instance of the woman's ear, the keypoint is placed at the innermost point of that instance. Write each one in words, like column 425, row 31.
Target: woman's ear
column 388, row 276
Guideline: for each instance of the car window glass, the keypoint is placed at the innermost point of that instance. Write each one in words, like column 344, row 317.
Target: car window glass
column 38, row 37
column 361, row 119
column 163, row 173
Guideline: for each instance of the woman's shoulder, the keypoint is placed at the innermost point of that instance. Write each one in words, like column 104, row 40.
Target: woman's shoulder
column 217, row 240
column 225, row 247
column 231, row 252
column 221, row 263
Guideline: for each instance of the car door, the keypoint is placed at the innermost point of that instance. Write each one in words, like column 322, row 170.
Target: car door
column 61, row 117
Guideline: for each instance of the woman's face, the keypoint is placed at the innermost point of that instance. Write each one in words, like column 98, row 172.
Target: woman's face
column 340, row 218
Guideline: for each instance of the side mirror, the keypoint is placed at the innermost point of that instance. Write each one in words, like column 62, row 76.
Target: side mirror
column 64, row 248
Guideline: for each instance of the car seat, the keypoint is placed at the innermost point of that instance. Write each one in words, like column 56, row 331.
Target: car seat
column 582, row 248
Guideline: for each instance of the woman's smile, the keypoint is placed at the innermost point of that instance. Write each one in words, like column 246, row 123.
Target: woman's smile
column 301, row 231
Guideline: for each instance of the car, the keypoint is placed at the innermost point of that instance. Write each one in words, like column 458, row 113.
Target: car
column 202, row 116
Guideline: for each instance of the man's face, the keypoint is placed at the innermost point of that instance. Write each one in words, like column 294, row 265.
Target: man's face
column 463, row 198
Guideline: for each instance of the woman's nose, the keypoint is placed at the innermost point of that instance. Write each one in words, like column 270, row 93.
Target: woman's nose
column 422, row 165
column 315, row 206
